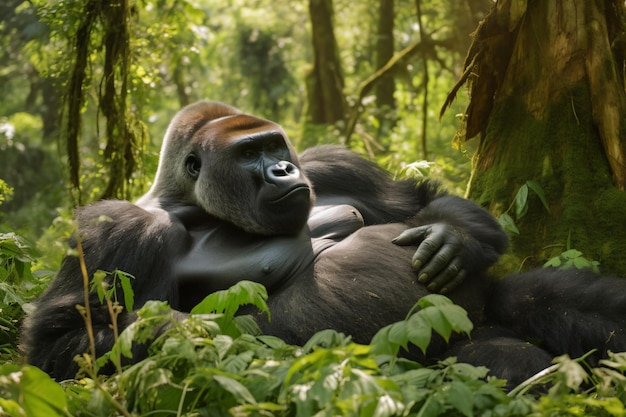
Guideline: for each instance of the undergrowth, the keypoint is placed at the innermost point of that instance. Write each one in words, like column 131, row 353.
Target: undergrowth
column 216, row 363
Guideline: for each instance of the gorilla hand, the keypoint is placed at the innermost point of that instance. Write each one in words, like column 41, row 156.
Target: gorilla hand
column 440, row 257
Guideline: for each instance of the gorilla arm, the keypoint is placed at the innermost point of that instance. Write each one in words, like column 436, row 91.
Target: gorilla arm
column 454, row 237
column 115, row 235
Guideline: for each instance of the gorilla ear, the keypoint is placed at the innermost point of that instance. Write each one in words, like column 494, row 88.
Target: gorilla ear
column 193, row 164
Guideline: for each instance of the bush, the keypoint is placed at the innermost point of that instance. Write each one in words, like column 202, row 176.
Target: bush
column 216, row 363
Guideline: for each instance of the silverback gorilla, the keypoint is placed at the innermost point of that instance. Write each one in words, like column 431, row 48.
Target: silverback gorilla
column 336, row 242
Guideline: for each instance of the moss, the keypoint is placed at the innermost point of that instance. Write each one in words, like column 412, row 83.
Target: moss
column 561, row 151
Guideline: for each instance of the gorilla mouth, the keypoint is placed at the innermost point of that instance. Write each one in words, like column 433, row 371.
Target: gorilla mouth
column 291, row 193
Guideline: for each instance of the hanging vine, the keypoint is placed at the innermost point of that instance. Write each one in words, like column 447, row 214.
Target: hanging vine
column 104, row 22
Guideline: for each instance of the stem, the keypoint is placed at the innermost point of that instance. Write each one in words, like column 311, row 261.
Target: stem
column 87, row 315
column 113, row 314
column 423, row 37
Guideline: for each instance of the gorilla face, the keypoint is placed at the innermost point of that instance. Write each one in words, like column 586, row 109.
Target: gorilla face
column 245, row 171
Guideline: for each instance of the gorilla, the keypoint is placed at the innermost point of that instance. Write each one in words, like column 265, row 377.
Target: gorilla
column 337, row 243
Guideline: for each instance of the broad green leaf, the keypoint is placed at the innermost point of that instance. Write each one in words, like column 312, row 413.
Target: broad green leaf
column 239, row 391
column 326, row 338
column 273, row 342
column 539, row 191
column 398, row 334
column 420, row 331
column 432, row 407
column 461, row 398
column 417, row 378
column 228, row 301
column 571, row 254
column 222, row 343
column 582, row 263
column 439, row 322
column 521, row 202
column 236, row 364
column 508, row 224
column 127, row 289
column 458, row 319
column 553, row 262
column 32, row 392
column 247, row 324
column 380, row 343
column 433, row 300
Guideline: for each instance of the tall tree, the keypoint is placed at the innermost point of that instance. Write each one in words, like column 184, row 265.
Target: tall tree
column 385, row 48
column 548, row 103
column 325, row 98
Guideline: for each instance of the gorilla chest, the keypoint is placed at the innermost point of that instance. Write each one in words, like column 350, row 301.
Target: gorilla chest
column 223, row 255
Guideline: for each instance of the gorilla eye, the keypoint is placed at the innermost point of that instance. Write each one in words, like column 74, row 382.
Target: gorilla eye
column 193, row 164
column 249, row 153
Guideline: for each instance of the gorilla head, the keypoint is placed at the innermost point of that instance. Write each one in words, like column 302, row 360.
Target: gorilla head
column 238, row 168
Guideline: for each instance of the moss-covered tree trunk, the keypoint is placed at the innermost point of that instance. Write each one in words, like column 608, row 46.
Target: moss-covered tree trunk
column 548, row 102
column 324, row 83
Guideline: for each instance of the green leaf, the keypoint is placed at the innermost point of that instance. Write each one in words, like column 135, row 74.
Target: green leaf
column 458, row 319
column 398, row 334
column 508, row 224
column 328, row 338
column 539, row 191
column 222, row 343
column 228, row 301
column 127, row 289
column 434, row 300
column 380, row 343
column 99, row 285
column 582, row 263
column 420, row 332
column 439, row 322
column 461, row 398
column 238, row 390
column 553, row 262
column 432, row 407
column 28, row 391
column 521, row 202
column 571, row 254
column 247, row 324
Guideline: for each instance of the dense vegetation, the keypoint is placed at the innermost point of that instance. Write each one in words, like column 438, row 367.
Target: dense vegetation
column 89, row 88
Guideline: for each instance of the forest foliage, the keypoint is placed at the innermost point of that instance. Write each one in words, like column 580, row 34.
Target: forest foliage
column 89, row 90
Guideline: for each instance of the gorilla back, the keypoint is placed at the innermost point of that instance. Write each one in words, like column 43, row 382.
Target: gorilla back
column 337, row 243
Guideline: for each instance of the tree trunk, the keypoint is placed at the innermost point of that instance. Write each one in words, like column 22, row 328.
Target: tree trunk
column 384, row 51
column 325, row 99
column 386, row 87
column 548, row 101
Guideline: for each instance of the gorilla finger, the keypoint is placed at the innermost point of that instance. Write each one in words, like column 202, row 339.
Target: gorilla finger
column 412, row 235
column 445, row 276
column 448, row 280
column 432, row 256
column 454, row 283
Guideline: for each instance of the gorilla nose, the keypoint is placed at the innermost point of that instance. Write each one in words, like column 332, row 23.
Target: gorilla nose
column 282, row 169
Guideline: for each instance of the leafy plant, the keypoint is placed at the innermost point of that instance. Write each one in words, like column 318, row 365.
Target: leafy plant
column 195, row 369
column 520, row 204
column 18, row 286
column 572, row 258
column 5, row 192
column 436, row 313
column 226, row 303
